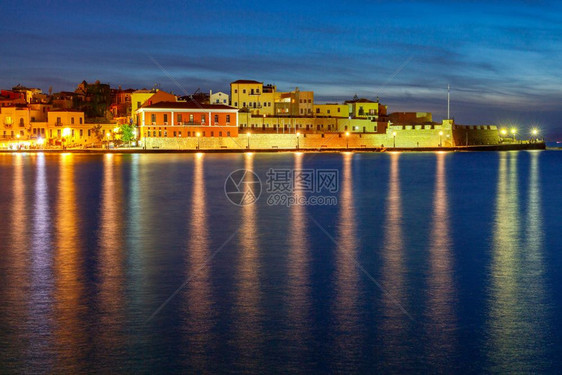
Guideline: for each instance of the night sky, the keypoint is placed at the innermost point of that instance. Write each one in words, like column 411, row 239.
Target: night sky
column 503, row 59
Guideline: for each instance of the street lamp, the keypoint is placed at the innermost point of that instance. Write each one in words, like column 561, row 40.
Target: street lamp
column 108, row 134
column 440, row 137
column 503, row 132
column 65, row 134
column 298, row 135
column 198, row 135
column 346, row 139
column 248, row 134
column 513, row 132
column 394, row 136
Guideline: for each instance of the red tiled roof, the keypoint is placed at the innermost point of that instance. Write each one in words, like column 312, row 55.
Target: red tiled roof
column 188, row 105
column 246, row 81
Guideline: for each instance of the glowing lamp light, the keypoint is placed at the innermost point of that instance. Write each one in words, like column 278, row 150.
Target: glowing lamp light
column 17, row 136
column 65, row 132
column 298, row 134
column 394, row 134
column 115, row 130
column 108, row 134
column 440, row 133
column 504, row 131
column 534, row 131
column 40, row 141
column 198, row 134
column 513, row 131
column 248, row 134
column 347, row 134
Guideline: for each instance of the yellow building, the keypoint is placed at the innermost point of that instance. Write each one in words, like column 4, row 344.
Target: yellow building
column 14, row 122
column 365, row 108
column 331, row 110
column 138, row 98
column 253, row 96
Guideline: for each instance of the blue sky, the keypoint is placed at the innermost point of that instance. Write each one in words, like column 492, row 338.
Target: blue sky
column 503, row 59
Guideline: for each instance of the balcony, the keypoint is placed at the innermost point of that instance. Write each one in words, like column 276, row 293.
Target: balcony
column 58, row 123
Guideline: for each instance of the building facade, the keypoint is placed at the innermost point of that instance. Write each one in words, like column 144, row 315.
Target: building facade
column 187, row 119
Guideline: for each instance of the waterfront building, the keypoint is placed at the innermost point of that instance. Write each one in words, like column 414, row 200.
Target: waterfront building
column 187, row 119
column 253, row 96
column 411, row 118
column 144, row 97
column 331, row 110
column 218, row 98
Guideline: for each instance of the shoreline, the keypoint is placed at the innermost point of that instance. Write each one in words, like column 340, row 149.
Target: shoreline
column 507, row 147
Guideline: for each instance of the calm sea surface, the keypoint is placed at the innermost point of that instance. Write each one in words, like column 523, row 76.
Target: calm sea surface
column 433, row 262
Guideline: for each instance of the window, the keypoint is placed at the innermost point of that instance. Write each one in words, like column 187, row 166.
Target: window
column 72, row 133
column 72, row 120
column 175, row 134
column 8, row 119
column 32, row 119
column 236, row 91
column 220, row 134
column 243, row 104
column 165, row 133
column 317, row 110
column 81, row 119
column 153, row 118
column 138, row 104
column 148, row 133
column 191, row 118
column 165, row 117
column 81, row 133
column 338, row 110
column 236, row 104
column 58, row 121
column 21, row 122
column 89, row 132
column 34, row 131
column 58, row 133
column 179, row 117
column 216, row 118
column 159, row 133
column 189, row 134
column 228, row 134
column 252, row 92
column 202, row 119
column 212, row 134
column 228, row 119
column 244, row 91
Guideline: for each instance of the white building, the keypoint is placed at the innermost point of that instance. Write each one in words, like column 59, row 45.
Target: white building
column 218, row 98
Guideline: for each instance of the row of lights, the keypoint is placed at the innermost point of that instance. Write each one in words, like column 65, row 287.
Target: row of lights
column 513, row 131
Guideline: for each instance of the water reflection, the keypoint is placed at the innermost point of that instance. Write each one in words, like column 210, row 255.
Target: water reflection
column 298, row 283
column 199, row 319
column 248, row 321
column 516, row 313
column 345, row 307
column 111, row 258
column 441, row 319
column 69, row 331
column 394, row 321
column 40, row 302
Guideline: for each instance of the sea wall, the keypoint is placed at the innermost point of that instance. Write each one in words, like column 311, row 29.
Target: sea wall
column 476, row 135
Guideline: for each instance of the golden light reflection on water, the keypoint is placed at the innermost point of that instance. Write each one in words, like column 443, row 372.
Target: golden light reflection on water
column 199, row 311
column 516, row 312
column 69, row 285
column 346, row 276
column 441, row 318
column 111, row 256
column 298, row 283
column 394, row 322
column 248, row 313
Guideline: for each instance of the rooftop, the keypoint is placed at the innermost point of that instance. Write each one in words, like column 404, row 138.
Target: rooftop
column 247, row 81
column 188, row 105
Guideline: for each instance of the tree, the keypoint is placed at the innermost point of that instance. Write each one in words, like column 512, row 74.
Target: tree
column 98, row 132
column 127, row 134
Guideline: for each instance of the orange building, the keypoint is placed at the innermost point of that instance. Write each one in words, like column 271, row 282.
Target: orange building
column 188, row 119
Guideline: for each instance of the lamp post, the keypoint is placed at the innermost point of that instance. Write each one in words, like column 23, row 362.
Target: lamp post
column 394, row 137
column 346, row 139
column 108, row 134
column 534, row 132
column 440, row 139
column 198, row 135
column 298, row 135
column 248, row 134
